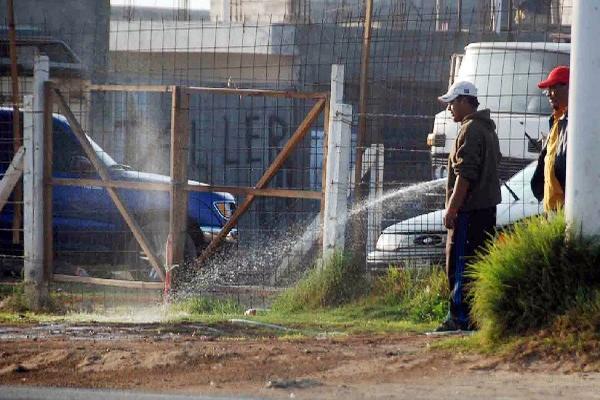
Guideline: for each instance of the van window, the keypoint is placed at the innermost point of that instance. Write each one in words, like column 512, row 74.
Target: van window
column 507, row 79
column 65, row 147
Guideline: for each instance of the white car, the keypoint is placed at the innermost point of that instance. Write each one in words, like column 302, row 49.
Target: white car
column 421, row 241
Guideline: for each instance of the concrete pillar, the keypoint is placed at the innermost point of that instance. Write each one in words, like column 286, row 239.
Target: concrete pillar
column 36, row 285
column 338, row 162
column 583, row 163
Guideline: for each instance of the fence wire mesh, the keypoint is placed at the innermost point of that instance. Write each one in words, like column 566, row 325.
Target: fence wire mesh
column 416, row 50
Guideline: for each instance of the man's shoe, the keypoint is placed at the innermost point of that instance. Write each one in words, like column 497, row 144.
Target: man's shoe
column 448, row 325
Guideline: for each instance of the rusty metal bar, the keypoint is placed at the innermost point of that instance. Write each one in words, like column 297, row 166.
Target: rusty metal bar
column 165, row 187
column 131, row 88
column 259, row 92
column 265, row 192
column 358, row 243
column 155, row 186
column 196, row 89
column 108, row 282
column 291, row 144
column 180, row 141
column 17, row 137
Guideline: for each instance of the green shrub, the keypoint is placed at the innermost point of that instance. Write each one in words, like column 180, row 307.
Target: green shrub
column 421, row 295
column 12, row 299
column 532, row 275
column 339, row 281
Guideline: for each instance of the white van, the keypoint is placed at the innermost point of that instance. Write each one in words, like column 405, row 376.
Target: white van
column 506, row 75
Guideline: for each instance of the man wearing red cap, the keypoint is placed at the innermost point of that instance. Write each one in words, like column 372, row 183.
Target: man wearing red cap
column 548, row 181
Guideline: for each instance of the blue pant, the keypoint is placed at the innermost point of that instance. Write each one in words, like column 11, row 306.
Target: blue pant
column 471, row 230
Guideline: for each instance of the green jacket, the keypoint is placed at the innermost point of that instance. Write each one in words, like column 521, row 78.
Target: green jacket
column 475, row 156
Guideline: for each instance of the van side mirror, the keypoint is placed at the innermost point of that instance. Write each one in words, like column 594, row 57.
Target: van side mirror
column 455, row 62
column 81, row 166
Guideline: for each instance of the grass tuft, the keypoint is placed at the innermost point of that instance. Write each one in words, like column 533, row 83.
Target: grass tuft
column 418, row 294
column 532, row 277
column 202, row 305
column 339, row 281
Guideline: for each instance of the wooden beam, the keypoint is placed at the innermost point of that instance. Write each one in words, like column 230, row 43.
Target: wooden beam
column 259, row 92
column 155, row 186
column 48, row 154
column 291, row 144
column 13, row 173
column 165, row 187
column 130, row 88
column 180, row 142
column 105, row 176
column 265, row 192
column 108, row 282
column 195, row 89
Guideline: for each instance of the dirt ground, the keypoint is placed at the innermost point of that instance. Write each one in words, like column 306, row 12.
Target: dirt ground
column 236, row 359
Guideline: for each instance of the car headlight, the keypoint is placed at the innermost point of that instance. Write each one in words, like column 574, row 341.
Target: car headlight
column 391, row 242
column 429, row 240
column 225, row 208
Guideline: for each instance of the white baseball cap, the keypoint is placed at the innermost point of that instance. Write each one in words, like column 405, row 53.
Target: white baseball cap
column 461, row 88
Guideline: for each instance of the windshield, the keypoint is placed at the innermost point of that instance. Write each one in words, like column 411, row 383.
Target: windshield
column 519, row 184
column 507, row 80
column 104, row 156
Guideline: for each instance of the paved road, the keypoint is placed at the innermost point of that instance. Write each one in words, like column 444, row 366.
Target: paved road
column 44, row 393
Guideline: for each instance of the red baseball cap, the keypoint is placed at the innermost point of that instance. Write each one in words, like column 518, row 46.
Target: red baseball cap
column 559, row 75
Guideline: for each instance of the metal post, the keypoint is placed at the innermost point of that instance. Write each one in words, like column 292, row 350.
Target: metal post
column 509, row 16
column 583, row 163
column 17, row 137
column 375, row 163
column 359, row 237
column 36, row 285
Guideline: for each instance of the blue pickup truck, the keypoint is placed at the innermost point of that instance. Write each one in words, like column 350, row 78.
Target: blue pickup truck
column 88, row 229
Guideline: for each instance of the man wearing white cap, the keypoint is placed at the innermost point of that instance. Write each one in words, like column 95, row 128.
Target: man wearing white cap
column 472, row 193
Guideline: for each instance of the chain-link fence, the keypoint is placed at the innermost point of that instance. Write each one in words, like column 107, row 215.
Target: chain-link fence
column 416, row 50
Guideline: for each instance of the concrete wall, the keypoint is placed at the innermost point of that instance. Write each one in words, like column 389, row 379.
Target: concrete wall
column 252, row 10
column 236, row 70
column 81, row 24
column 332, row 10
column 126, row 13
column 201, row 37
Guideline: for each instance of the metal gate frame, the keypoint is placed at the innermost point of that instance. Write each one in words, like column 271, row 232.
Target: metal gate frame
column 179, row 186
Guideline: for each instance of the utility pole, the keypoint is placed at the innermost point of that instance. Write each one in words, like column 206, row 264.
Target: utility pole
column 359, row 222
column 583, row 164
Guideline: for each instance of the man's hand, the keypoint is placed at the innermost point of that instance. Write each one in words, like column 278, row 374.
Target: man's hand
column 450, row 218
column 461, row 188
